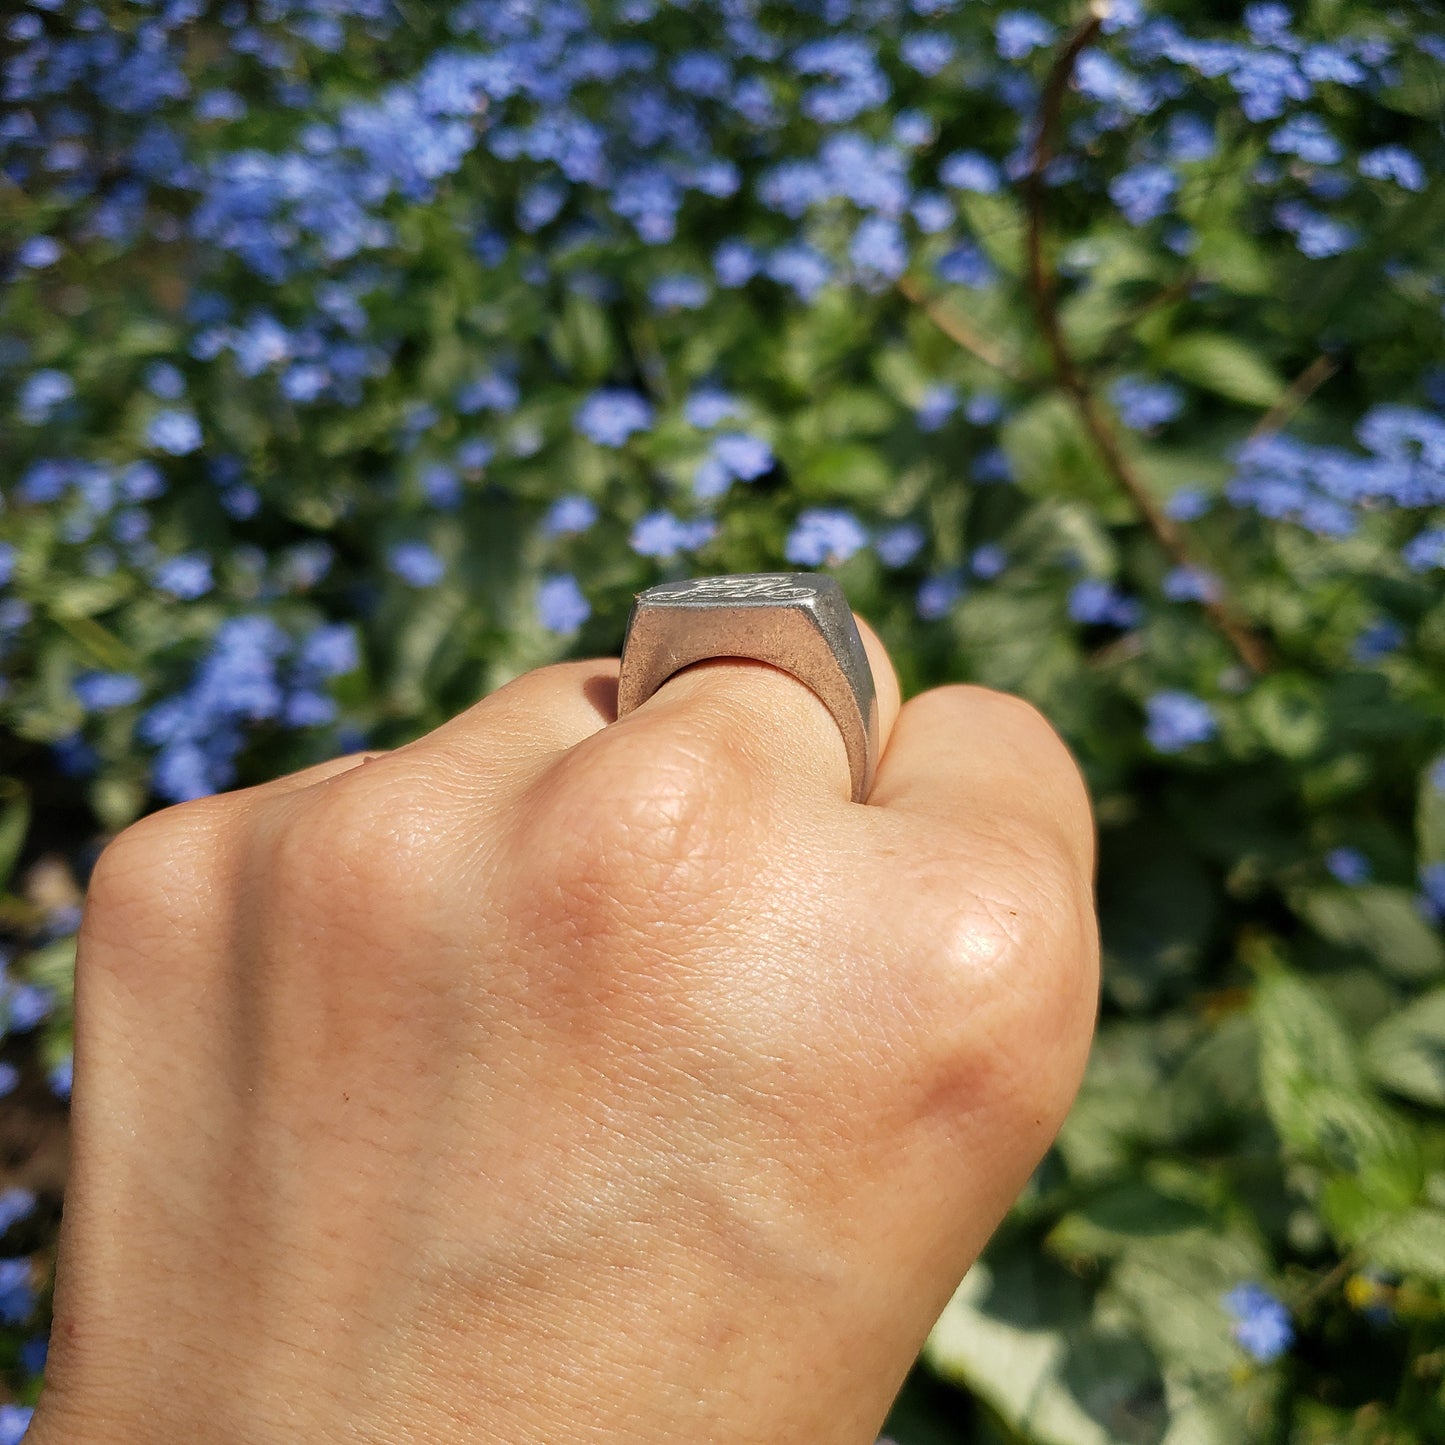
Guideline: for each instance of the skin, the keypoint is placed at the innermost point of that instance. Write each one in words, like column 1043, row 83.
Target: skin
column 557, row 1078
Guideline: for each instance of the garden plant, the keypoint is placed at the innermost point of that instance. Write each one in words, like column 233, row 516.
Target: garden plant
column 359, row 355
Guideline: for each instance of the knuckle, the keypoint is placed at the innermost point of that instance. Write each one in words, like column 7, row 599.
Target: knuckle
column 1010, row 961
column 157, row 878
column 355, row 850
column 637, row 826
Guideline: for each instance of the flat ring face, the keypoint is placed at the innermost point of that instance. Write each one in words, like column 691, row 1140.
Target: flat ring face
column 795, row 621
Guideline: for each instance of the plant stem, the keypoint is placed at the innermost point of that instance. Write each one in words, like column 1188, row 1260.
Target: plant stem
column 960, row 331
column 1304, row 386
column 1043, row 288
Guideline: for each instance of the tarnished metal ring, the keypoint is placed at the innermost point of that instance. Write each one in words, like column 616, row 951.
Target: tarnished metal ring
column 796, row 621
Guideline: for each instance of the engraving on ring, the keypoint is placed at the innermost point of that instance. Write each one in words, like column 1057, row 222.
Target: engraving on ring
column 741, row 589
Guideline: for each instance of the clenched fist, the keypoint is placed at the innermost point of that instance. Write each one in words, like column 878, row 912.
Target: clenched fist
column 558, row 1079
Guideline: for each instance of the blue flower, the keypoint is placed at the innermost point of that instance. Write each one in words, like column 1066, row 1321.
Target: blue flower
column 330, row 650
column 29, row 1004
column 16, row 1203
column 801, row 267
column 661, row 534
column 492, row 391
column 441, row 486
column 416, row 564
column 1309, row 138
column 1098, row 603
column 569, row 515
column 38, row 252
column 966, row 265
column 1427, row 551
column 1144, row 193
column 1191, row 584
column 928, row 52
column 936, row 595
column 735, row 263
column 7, row 562
column 1348, row 866
column 186, row 577
column 164, row 380
column 173, row 431
column 1261, row 1323
column 14, row 1422
column 1018, row 33
column 878, row 251
column 1432, row 892
column 988, row 561
column 1144, row 405
column 898, row 545
column 1394, row 163
column 103, row 691
column 939, row 403
column 561, row 606
column 709, row 406
column 743, row 457
column 1189, row 137
column 824, row 535
column 17, row 1299
column 932, row 212
column 678, row 293
column 608, row 417
column 1316, row 235
column 1377, row 641
column 970, row 171
column 9, row 1078
column 1176, row 721
column 42, row 394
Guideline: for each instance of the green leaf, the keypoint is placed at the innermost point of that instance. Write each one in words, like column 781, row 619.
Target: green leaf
column 1378, row 919
column 1226, row 366
column 1289, row 714
column 1430, row 813
column 1318, row 1100
column 1406, row 1053
column 1019, row 1334
column 1412, row 1244
column 14, row 826
column 843, row 471
column 1053, row 456
column 1118, row 1217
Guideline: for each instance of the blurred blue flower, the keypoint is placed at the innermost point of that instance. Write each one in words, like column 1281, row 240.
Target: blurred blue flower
column 7, row 562
column 102, row 691
column 416, row 563
column 1394, row 163
column 661, row 534
column 928, row 51
column 1426, row 552
column 38, row 252
column 608, row 417
column 186, row 577
column 1377, row 641
column 1018, row 33
column 966, row 265
column 561, row 605
column 33, row 1353
column 1095, row 602
column 569, row 515
column 988, row 561
column 824, row 535
column 164, row 380
column 175, row 432
column 801, row 267
column 1191, row 584
column 14, row 1422
column 970, row 171
column 492, row 391
column 709, row 406
column 1348, row 866
column 28, row 1005
column 1309, row 138
column 1261, row 1323
column 9, row 1078
column 939, row 403
column 936, row 595
column 1144, row 193
column 1144, row 405
column 878, row 251
column 1432, row 892
column 441, row 486
column 735, row 263
column 932, row 212
column 899, row 544
column 678, row 292
column 17, row 1298
column 16, row 1203
column 1176, row 721
column 42, row 393
column 330, row 650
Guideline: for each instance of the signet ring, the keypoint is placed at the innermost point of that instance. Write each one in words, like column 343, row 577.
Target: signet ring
column 796, row 621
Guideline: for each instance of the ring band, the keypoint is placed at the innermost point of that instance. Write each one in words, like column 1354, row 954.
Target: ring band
column 796, row 621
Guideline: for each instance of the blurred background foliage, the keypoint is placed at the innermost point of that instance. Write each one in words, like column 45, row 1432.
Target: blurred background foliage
column 357, row 355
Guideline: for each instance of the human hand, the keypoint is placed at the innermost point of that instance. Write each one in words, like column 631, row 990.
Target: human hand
column 548, row 1080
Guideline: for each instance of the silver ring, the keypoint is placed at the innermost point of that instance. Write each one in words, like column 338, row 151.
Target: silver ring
column 795, row 621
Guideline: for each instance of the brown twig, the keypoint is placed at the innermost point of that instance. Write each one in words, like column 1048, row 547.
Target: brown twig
column 1304, row 386
column 1043, row 286
column 959, row 331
